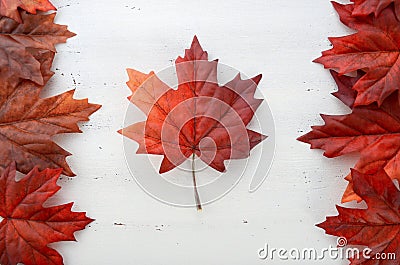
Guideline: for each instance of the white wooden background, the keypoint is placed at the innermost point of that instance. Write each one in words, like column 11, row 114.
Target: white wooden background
column 276, row 38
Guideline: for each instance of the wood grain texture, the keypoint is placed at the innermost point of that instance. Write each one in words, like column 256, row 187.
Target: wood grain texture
column 276, row 38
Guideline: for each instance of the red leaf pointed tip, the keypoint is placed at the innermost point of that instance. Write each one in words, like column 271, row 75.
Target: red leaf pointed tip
column 257, row 78
column 196, row 45
column 321, row 225
column 337, row 6
column 69, row 173
column 195, row 41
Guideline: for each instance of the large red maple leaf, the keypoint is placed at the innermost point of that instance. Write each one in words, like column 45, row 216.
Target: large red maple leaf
column 366, row 7
column 178, row 120
column 374, row 48
column 378, row 226
column 27, row 227
column 372, row 131
column 9, row 8
column 199, row 118
column 28, row 122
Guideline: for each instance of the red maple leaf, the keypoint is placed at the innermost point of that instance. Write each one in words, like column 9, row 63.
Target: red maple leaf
column 27, row 227
column 372, row 131
column 28, row 122
column 199, row 118
column 378, row 226
column 366, row 7
column 374, row 48
column 9, row 8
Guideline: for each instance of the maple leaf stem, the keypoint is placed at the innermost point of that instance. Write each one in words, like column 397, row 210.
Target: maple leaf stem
column 196, row 193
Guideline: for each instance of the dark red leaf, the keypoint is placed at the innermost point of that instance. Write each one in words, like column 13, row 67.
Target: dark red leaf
column 28, row 122
column 366, row 7
column 18, row 40
column 372, row 131
column 27, row 227
column 378, row 226
column 374, row 49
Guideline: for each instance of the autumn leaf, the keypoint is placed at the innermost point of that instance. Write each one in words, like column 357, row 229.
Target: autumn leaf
column 18, row 40
column 27, row 228
column 374, row 48
column 345, row 84
column 9, row 8
column 366, row 7
column 199, row 118
column 27, row 121
column 378, row 226
column 372, row 131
